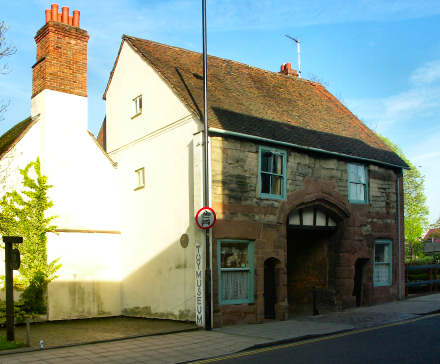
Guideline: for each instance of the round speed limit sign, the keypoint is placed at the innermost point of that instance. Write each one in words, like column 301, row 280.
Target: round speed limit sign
column 205, row 218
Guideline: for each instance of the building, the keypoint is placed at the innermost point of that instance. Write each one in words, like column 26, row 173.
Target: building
column 305, row 194
column 88, row 238
column 431, row 242
column 308, row 199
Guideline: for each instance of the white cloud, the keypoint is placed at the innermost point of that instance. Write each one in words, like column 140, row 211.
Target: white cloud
column 426, row 74
column 420, row 101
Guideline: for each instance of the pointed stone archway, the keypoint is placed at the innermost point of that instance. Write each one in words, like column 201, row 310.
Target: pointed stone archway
column 313, row 233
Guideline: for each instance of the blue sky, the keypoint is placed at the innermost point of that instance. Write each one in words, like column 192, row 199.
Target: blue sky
column 381, row 58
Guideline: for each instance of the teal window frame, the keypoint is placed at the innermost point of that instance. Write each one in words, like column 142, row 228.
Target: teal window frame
column 349, row 182
column 250, row 269
column 283, row 153
column 389, row 243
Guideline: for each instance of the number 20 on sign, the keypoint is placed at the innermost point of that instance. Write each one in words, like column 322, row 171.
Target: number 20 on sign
column 205, row 218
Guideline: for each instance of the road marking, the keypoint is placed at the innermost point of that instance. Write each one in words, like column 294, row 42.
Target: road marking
column 310, row 341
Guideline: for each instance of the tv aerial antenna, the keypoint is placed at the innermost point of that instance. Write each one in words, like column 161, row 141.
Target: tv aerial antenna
column 298, row 47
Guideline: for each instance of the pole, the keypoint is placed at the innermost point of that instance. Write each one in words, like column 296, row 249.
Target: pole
column 9, row 277
column 298, row 45
column 206, row 174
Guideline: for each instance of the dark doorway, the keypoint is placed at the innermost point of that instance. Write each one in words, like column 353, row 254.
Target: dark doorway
column 359, row 277
column 308, row 267
column 270, row 293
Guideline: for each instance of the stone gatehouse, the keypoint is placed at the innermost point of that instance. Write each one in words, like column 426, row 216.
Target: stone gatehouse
column 317, row 227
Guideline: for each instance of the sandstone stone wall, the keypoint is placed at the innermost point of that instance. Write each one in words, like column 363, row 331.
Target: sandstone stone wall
column 312, row 180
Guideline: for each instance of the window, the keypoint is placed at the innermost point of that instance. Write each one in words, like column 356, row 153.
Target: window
column 357, row 183
column 236, row 271
column 140, row 178
column 272, row 173
column 137, row 106
column 382, row 270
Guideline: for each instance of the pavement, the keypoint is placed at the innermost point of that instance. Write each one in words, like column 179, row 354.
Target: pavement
column 193, row 345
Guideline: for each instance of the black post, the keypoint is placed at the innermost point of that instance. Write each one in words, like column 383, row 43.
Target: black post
column 206, row 173
column 10, row 335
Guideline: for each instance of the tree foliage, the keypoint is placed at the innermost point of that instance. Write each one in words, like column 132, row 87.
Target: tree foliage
column 415, row 208
column 24, row 214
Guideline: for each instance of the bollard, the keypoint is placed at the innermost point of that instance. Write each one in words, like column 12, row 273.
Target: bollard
column 28, row 332
column 315, row 308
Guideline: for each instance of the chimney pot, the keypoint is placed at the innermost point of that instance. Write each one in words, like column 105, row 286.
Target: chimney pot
column 65, row 15
column 76, row 18
column 48, row 17
column 286, row 68
column 54, row 12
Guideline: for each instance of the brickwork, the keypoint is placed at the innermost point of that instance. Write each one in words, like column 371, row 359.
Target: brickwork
column 312, row 180
column 61, row 59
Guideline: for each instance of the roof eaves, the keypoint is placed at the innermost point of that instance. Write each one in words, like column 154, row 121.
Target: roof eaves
column 31, row 122
column 114, row 164
column 104, row 96
column 298, row 146
column 191, row 108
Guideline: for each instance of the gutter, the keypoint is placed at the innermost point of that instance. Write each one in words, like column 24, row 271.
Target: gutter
column 399, row 227
column 311, row 149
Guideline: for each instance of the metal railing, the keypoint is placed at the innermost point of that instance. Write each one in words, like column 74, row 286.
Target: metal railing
column 433, row 283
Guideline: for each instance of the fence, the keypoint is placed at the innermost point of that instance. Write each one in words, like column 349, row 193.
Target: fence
column 429, row 270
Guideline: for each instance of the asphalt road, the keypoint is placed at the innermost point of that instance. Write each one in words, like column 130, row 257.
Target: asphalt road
column 414, row 341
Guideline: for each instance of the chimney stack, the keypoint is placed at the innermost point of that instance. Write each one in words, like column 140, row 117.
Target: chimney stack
column 286, row 68
column 61, row 54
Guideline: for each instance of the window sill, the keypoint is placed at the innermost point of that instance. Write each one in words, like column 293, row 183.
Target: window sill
column 264, row 196
column 359, row 202
column 382, row 285
column 136, row 115
column 236, row 302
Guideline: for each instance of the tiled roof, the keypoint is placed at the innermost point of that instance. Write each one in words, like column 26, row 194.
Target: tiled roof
column 433, row 233
column 13, row 135
column 266, row 104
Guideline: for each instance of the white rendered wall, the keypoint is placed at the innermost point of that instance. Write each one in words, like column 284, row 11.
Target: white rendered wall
column 84, row 179
column 88, row 283
column 133, row 76
column 158, row 273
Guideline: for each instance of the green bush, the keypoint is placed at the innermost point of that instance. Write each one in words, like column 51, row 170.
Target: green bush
column 20, row 314
column 33, row 297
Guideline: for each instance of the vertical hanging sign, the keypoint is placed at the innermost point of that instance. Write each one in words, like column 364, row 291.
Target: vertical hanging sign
column 200, row 304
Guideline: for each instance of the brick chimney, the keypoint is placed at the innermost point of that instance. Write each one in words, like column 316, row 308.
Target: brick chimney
column 61, row 54
column 286, row 68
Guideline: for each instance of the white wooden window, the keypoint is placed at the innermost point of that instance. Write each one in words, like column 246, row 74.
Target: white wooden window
column 383, row 263
column 357, row 183
column 140, row 178
column 137, row 106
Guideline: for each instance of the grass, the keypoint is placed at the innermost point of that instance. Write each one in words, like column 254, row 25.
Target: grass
column 6, row 345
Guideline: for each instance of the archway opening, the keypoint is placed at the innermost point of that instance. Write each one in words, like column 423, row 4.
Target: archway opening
column 311, row 233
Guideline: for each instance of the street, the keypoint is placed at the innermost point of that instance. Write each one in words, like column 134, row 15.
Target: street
column 416, row 341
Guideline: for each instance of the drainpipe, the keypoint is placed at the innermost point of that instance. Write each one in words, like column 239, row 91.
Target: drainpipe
column 399, row 227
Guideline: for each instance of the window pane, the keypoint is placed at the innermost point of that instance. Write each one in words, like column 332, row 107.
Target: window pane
column 234, row 255
column 356, row 192
column 277, row 183
column 379, row 253
column 356, row 173
column 235, row 285
column 265, row 183
column 277, row 164
column 266, row 161
column 382, row 273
